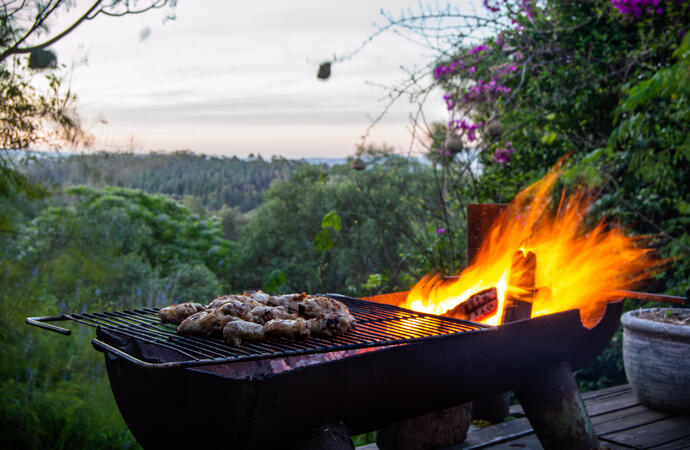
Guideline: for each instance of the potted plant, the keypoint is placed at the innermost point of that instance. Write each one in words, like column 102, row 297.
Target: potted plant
column 656, row 355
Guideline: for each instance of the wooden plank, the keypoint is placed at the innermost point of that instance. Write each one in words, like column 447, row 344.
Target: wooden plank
column 528, row 442
column 624, row 419
column 601, row 393
column 495, row 434
column 652, row 434
column 680, row 444
column 611, row 403
column 594, row 397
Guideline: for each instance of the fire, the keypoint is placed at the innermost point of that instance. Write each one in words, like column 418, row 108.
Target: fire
column 577, row 267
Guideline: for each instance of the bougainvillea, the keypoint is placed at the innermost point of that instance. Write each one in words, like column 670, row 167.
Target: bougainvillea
column 637, row 8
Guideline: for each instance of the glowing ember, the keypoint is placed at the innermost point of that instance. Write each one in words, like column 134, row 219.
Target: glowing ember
column 576, row 267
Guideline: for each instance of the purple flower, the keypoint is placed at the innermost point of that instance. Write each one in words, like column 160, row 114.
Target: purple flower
column 503, row 155
column 478, row 49
column 636, row 8
column 441, row 231
column 489, row 7
column 450, row 103
column 471, row 69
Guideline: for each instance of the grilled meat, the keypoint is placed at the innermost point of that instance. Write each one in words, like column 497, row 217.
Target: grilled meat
column 192, row 324
column 314, row 307
column 290, row 302
column 251, row 315
column 327, row 317
column 214, row 321
column 177, row 313
column 235, row 331
column 239, row 308
column 288, row 327
column 331, row 325
column 263, row 314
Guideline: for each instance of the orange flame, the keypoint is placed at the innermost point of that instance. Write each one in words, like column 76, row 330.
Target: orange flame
column 576, row 267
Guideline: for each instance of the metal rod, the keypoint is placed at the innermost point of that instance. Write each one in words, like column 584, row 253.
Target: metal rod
column 38, row 322
column 649, row 296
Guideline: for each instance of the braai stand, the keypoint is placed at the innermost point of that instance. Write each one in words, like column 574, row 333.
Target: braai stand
column 187, row 392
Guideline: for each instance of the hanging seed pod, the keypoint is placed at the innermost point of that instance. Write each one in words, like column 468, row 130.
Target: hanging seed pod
column 324, row 71
column 358, row 164
column 494, row 128
column 454, row 143
column 42, row 59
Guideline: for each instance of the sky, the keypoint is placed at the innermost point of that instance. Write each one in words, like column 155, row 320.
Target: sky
column 234, row 78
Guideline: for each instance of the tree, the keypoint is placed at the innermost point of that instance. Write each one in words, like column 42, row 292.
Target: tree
column 27, row 116
column 527, row 82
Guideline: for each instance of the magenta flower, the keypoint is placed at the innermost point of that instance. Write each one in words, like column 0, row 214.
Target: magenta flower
column 450, row 103
column 441, row 231
column 478, row 49
column 489, row 7
column 503, row 155
column 636, row 8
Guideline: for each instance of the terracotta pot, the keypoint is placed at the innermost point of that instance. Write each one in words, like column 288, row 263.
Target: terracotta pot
column 657, row 361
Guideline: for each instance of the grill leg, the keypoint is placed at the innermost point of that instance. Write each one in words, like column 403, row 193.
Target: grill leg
column 555, row 410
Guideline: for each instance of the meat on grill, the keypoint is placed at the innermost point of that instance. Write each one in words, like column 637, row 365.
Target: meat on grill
column 263, row 314
column 291, row 302
column 235, row 331
column 331, row 325
column 177, row 313
column 293, row 328
column 251, row 315
column 192, row 324
column 321, row 306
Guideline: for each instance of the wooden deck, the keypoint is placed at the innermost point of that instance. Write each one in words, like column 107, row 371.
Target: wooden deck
column 618, row 418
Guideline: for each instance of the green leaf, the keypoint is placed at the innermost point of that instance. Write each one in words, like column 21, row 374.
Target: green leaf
column 331, row 220
column 549, row 138
column 274, row 280
column 323, row 240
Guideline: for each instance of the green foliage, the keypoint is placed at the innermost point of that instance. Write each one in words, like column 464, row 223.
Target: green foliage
column 123, row 245
column 327, row 231
column 207, row 181
column 274, row 280
column 330, row 225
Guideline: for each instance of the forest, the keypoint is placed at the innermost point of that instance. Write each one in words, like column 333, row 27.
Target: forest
column 605, row 84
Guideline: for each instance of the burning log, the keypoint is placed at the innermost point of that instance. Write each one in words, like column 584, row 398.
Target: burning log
column 479, row 306
column 649, row 296
column 521, row 289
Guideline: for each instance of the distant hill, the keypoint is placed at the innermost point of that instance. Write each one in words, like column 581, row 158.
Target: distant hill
column 215, row 180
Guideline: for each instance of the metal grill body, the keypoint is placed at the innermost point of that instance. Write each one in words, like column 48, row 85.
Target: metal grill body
column 365, row 391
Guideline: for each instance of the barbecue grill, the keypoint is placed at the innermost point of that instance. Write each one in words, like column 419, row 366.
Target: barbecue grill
column 188, row 392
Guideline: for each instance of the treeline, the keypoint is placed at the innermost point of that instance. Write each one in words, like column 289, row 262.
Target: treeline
column 214, row 180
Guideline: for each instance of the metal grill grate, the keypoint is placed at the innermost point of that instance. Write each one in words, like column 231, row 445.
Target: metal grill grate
column 377, row 325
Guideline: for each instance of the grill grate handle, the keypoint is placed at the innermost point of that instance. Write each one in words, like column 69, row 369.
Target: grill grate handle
column 40, row 323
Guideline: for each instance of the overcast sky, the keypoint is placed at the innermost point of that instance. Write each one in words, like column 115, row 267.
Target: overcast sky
column 237, row 77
